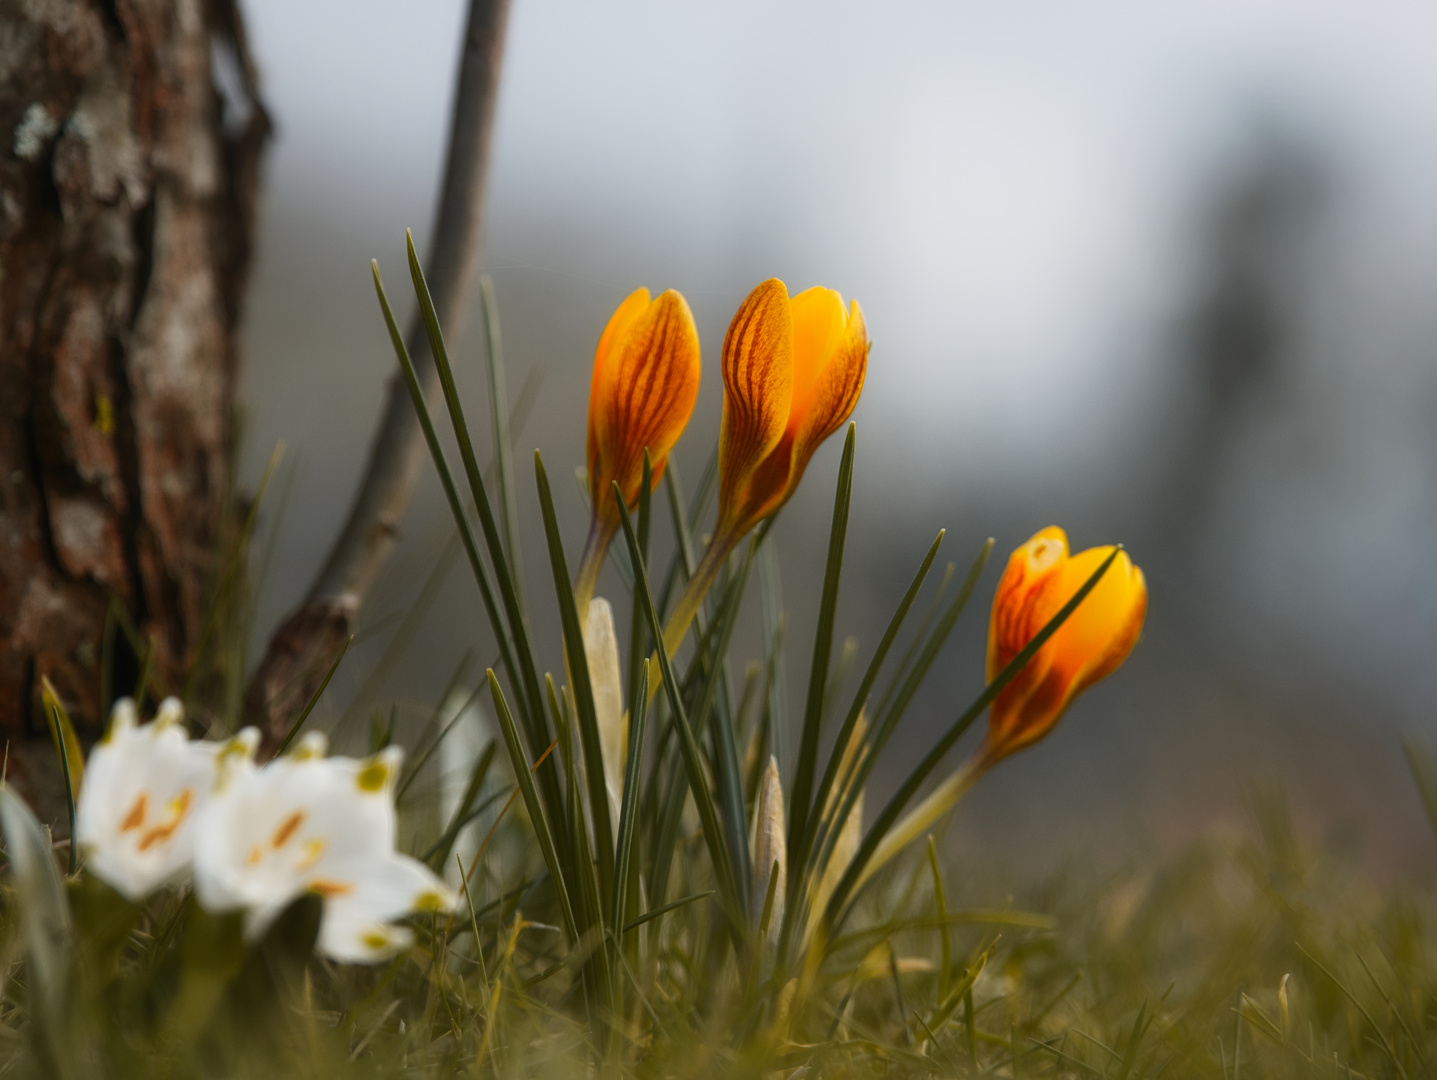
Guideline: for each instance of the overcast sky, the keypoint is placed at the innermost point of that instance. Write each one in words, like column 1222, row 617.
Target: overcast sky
column 1002, row 184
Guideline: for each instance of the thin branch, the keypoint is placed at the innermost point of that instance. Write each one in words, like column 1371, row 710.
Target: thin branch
column 396, row 453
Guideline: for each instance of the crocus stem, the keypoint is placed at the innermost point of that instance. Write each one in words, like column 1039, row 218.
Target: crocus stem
column 918, row 820
column 601, row 532
column 682, row 617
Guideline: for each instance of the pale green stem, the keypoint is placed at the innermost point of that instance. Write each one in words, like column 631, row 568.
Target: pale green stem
column 682, row 617
column 922, row 817
column 591, row 562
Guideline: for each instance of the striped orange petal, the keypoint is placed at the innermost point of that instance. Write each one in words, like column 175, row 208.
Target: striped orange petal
column 793, row 370
column 1090, row 645
column 645, row 382
column 758, row 391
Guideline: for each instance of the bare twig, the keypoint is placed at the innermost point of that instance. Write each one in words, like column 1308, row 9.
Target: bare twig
column 293, row 662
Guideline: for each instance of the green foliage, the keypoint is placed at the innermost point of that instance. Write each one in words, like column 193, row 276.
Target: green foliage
column 635, row 946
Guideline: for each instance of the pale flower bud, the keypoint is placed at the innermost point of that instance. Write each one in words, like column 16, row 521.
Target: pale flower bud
column 601, row 650
column 769, row 846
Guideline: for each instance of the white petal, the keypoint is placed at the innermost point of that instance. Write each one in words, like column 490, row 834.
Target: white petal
column 295, row 825
column 312, row 744
column 382, row 889
column 353, row 941
column 361, row 899
column 123, row 716
column 144, row 789
column 170, row 712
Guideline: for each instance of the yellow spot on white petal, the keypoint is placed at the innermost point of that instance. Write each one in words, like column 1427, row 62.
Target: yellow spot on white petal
column 375, row 940
column 431, row 901
column 313, row 849
column 373, row 776
column 255, row 855
column 287, row 828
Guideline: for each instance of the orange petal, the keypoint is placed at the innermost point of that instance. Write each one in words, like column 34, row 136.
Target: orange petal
column 651, row 379
column 758, row 391
column 601, row 384
column 836, row 378
column 1098, row 636
column 820, row 327
column 1095, row 639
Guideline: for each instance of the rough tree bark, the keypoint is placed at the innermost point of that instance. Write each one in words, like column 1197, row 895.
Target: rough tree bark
column 128, row 178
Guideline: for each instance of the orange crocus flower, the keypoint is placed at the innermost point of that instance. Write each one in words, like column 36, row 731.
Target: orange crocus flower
column 1094, row 641
column 1090, row 645
column 645, row 382
column 793, row 368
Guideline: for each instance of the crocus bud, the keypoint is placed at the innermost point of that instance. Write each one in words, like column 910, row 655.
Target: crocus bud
column 645, row 382
column 601, row 649
column 769, row 847
column 793, row 368
column 1090, row 644
column 1094, row 641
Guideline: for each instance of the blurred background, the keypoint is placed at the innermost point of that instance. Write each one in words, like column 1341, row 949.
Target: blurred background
column 1161, row 274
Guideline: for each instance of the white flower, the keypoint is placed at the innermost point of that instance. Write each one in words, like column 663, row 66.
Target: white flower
column 143, row 789
column 311, row 824
column 769, row 847
column 601, row 650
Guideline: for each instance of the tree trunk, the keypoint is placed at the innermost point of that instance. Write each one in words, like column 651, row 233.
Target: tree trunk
column 127, row 200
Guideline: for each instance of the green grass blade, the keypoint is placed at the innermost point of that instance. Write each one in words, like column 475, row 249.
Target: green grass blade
column 940, row 912
column 771, row 592
column 499, row 421
column 860, row 699
column 74, row 863
column 629, row 805
column 438, row 855
column 414, row 617
column 537, row 817
column 314, row 698
column 638, row 633
column 800, row 809
column 579, row 684
column 579, row 871
column 666, row 833
column 446, row 481
column 521, row 675
column 671, row 906
column 1424, row 775
column 908, row 678
column 728, row 776
column 693, row 762
column 937, row 607
column 685, row 523
column 533, row 697
column 413, row 771
column 910, row 786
